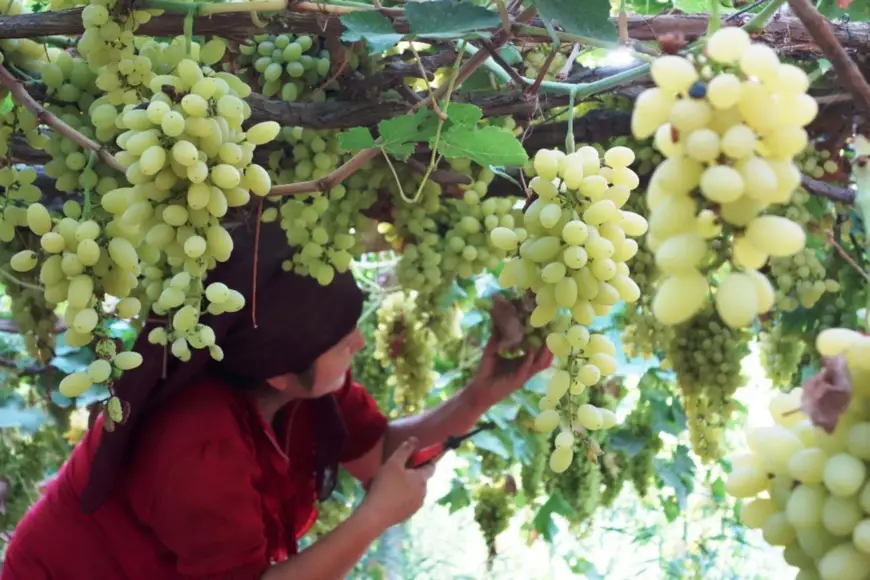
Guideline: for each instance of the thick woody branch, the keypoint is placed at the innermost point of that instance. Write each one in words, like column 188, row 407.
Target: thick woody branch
column 824, row 189
column 20, row 95
column 847, row 70
column 783, row 31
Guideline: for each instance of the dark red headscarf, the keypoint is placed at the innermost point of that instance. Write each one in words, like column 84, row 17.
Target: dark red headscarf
column 297, row 321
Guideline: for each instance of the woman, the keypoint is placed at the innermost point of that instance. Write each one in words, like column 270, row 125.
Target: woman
column 216, row 472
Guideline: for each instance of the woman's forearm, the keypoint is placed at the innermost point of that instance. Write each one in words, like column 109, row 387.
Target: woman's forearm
column 454, row 416
column 333, row 556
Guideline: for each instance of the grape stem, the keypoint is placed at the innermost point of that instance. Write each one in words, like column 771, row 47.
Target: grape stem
column 759, row 21
column 19, row 282
column 713, row 23
column 845, row 255
column 20, row 94
column 847, row 71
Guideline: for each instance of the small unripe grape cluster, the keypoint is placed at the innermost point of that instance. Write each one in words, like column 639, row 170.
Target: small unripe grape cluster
column 20, row 121
column 730, row 124
column 800, row 280
column 807, row 489
column 818, row 163
column 289, row 66
column 323, row 225
column 19, row 193
column 781, row 355
column 536, row 59
column 404, row 341
column 707, row 355
column 573, row 247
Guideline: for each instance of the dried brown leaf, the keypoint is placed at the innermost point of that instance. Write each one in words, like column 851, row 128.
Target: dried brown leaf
column 827, row 395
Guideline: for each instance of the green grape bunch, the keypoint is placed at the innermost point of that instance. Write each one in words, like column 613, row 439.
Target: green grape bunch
column 492, row 512
column 706, row 354
column 730, row 125
column 573, row 246
column 404, row 341
column 781, row 356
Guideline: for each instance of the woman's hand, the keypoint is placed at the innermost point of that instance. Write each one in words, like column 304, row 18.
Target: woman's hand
column 497, row 378
column 397, row 492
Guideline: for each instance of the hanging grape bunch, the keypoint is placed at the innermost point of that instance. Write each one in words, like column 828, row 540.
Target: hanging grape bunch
column 730, row 126
column 573, row 248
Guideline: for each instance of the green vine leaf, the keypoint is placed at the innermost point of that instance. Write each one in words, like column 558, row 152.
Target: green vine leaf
column 400, row 135
column 372, row 27
column 585, row 17
column 485, row 146
column 464, row 114
column 449, row 20
column 356, row 139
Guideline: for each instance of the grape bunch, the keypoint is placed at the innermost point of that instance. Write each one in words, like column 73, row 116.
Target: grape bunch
column 639, row 424
column 290, row 66
column 818, row 162
column 536, row 59
column 492, row 512
column 573, row 247
column 800, row 280
column 805, row 487
column 706, row 354
column 405, row 342
column 781, row 355
column 323, row 225
column 729, row 126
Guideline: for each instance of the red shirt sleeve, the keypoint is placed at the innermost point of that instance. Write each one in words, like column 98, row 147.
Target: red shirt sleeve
column 365, row 422
column 206, row 510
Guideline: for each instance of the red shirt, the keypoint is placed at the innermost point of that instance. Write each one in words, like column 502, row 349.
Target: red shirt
column 208, row 493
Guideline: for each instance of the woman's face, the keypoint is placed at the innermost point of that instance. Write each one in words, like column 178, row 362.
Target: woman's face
column 330, row 367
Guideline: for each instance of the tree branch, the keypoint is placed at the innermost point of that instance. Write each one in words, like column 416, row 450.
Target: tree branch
column 824, row 189
column 20, row 95
column 847, row 70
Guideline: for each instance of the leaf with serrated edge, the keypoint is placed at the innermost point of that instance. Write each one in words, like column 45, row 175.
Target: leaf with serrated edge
column 464, row 114
column 485, row 146
column 399, row 134
column 356, row 139
column 585, row 17
column 446, row 19
column 372, row 27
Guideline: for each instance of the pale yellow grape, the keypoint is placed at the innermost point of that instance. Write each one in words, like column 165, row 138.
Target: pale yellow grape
column 664, row 141
column 24, row 261
column 673, row 73
column 776, row 236
column 575, row 232
column 861, row 536
column 760, row 61
column 834, row 341
column 843, row 562
column 786, row 141
column 589, row 375
column 808, row 465
column 546, row 164
column 777, row 531
column 764, row 292
column 747, row 255
column 735, row 300
column 75, row 384
column 550, row 215
column 564, row 439
column 99, row 371
column 559, row 384
column 858, row 440
column 560, row 459
column 619, row 157
column 547, row 421
column 805, row 506
column 219, row 242
column 257, row 180
column 546, row 190
column 577, row 336
column 589, row 417
column 152, row 160
column 844, row 474
column 651, row 110
column 38, row 219
column 703, row 145
column 195, row 246
column 728, row 44
column 739, row 141
column 185, row 153
column 790, row 79
column 608, row 418
column 52, row 242
column 721, row 184
column 688, row 115
column 759, row 179
column 172, row 124
column 80, row 292
column 225, row 176
column 680, row 253
column 755, row 512
column 600, row 212
column 723, row 91
column 127, row 361
column 677, row 175
column 745, row 482
column 566, row 292
column 504, row 239
column 129, row 307
column 123, row 253
column 841, row 514
column 785, row 408
column 85, row 320
column 679, row 297
column 558, row 345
